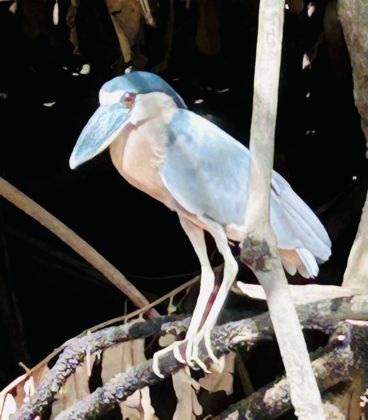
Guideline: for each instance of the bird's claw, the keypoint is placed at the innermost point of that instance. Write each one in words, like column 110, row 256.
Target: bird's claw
column 191, row 354
column 193, row 350
column 175, row 348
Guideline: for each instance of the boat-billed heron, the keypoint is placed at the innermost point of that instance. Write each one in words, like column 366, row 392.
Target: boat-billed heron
column 201, row 172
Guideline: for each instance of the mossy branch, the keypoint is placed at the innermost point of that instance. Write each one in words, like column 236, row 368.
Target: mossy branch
column 323, row 315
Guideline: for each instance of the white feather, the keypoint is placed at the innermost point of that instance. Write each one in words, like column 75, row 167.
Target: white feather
column 309, row 263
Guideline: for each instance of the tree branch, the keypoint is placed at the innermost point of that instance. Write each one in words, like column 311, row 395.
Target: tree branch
column 333, row 367
column 75, row 353
column 323, row 315
column 338, row 364
column 259, row 249
column 75, row 242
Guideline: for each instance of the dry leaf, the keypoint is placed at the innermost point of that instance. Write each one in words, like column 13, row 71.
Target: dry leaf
column 306, row 62
column 169, row 338
column 171, row 308
column 145, row 398
column 76, row 388
column 208, row 27
column 9, row 407
column 55, row 14
column 166, row 340
column 13, row 8
column 112, row 361
column 2, row 400
column 223, row 381
column 126, row 18
column 188, row 405
column 23, row 387
column 301, row 294
column 119, row 358
column 39, row 375
column 311, row 9
column 146, row 12
column 29, row 387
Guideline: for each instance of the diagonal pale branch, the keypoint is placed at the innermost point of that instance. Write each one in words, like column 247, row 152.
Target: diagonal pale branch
column 300, row 294
column 259, row 249
column 75, row 242
column 356, row 273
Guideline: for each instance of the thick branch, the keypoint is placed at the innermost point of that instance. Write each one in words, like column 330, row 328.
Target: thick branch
column 260, row 246
column 75, row 242
column 339, row 364
column 342, row 363
column 75, row 354
column 322, row 315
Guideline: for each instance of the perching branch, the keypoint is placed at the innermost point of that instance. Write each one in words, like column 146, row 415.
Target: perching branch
column 98, row 327
column 345, row 356
column 339, row 364
column 75, row 242
column 260, row 247
column 323, row 315
column 75, row 353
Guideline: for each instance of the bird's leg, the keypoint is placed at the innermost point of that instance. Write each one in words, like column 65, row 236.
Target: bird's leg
column 196, row 237
column 230, row 272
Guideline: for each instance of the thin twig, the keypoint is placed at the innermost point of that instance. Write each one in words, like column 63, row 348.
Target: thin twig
column 79, row 245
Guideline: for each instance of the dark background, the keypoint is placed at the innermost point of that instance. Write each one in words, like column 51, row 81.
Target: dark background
column 319, row 149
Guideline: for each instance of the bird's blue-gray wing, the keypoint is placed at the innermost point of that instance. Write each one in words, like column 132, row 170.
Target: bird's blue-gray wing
column 289, row 211
column 205, row 169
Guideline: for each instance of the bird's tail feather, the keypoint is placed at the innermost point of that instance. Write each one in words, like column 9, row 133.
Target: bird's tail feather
column 314, row 243
column 310, row 268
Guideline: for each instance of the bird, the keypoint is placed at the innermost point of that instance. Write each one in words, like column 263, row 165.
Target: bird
column 200, row 172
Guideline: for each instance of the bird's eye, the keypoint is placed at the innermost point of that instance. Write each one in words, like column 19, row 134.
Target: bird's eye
column 128, row 99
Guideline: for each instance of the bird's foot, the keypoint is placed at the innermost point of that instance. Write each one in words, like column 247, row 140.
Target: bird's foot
column 192, row 352
column 187, row 352
column 175, row 348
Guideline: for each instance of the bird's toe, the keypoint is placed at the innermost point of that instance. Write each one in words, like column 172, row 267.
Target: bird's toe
column 155, row 364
